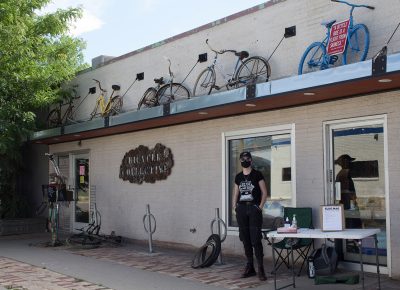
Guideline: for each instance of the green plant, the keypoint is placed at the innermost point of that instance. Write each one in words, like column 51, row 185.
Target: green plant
column 37, row 56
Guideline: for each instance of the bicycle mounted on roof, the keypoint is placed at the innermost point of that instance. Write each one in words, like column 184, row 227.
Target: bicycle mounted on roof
column 253, row 70
column 55, row 118
column 316, row 57
column 166, row 91
column 111, row 107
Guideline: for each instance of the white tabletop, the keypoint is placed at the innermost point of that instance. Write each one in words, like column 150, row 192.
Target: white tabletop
column 349, row 234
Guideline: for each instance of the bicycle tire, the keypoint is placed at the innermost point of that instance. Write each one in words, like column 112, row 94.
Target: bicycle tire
column 205, row 82
column 354, row 52
column 83, row 241
column 116, row 105
column 94, row 112
column 148, row 99
column 215, row 241
column 171, row 93
column 68, row 118
column 253, row 70
column 312, row 58
column 202, row 255
column 207, row 253
column 53, row 118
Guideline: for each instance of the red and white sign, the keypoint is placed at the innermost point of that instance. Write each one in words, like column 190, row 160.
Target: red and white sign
column 338, row 37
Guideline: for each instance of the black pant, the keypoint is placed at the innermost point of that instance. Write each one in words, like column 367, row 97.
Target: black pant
column 249, row 218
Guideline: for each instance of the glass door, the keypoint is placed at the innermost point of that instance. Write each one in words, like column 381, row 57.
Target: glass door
column 81, row 193
column 356, row 162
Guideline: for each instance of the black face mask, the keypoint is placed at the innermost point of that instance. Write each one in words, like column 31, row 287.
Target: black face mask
column 245, row 164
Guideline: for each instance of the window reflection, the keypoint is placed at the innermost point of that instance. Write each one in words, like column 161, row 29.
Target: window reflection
column 272, row 156
column 360, row 185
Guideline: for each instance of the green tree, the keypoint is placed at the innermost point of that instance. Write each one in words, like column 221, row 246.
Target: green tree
column 36, row 57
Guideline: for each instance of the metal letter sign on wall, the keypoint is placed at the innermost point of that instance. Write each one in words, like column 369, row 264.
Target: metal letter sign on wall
column 146, row 165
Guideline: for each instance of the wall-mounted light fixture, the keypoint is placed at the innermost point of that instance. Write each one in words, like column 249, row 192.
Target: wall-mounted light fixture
column 384, row 80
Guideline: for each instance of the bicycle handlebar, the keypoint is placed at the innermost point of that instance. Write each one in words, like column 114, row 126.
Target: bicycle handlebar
column 50, row 155
column 222, row 51
column 212, row 49
column 171, row 74
column 98, row 83
column 353, row 5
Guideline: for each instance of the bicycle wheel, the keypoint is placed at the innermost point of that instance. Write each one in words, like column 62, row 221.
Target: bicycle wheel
column 94, row 112
column 116, row 105
column 205, row 82
column 149, row 99
column 53, row 118
column 83, row 240
column 357, row 45
column 253, row 70
column 69, row 116
column 172, row 93
column 313, row 58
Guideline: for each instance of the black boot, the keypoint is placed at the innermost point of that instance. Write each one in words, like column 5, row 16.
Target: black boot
column 261, row 273
column 248, row 271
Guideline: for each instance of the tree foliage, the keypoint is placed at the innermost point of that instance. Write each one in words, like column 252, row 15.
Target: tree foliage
column 36, row 57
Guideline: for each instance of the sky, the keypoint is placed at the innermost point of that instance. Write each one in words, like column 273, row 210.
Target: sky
column 116, row 27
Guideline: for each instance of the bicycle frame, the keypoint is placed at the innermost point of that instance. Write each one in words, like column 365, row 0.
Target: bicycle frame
column 105, row 106
column 215, row 65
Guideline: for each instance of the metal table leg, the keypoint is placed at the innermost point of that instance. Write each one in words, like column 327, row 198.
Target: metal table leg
column 359, row 243
column 377, row 261
column 273, row 261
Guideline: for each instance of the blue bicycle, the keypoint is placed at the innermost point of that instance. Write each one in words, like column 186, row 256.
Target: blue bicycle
column 316, row 57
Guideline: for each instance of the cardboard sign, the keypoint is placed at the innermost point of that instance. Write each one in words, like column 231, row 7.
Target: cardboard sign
column 332, row 217
column 338, row 38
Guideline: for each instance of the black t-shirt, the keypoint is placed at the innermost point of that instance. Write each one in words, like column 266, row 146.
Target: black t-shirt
column 249, row 188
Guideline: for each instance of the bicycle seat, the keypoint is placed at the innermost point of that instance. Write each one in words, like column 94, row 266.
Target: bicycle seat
column 328, row 24
column 159, row 81
column 242, row 54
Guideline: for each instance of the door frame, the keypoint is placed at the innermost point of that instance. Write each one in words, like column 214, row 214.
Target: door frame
column 327, row 128
column 72, row 159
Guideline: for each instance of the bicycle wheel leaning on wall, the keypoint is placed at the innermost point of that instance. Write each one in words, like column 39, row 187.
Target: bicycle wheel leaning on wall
column 170, row 93
column 205, row 82
column 53, row 118
column 148, row 99
column 116, row 106
column 253, row 70
column 357, row 45
column 313, row 58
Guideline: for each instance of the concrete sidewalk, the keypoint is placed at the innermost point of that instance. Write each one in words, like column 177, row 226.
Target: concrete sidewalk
column 26, row 264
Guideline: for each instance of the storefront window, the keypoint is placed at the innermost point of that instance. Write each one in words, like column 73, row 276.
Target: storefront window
column 358, row 159
column 271, row 154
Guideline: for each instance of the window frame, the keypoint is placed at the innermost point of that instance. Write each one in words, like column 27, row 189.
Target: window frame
column 330, row 125
column 249, row 133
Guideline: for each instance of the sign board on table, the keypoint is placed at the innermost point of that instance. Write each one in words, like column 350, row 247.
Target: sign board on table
column 332, row 217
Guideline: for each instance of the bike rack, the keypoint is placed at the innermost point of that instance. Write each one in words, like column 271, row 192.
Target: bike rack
column 219, row 222
column 148, row 226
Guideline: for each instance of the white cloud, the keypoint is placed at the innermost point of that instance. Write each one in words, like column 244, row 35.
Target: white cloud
column 91, row 16
column 88, row 22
